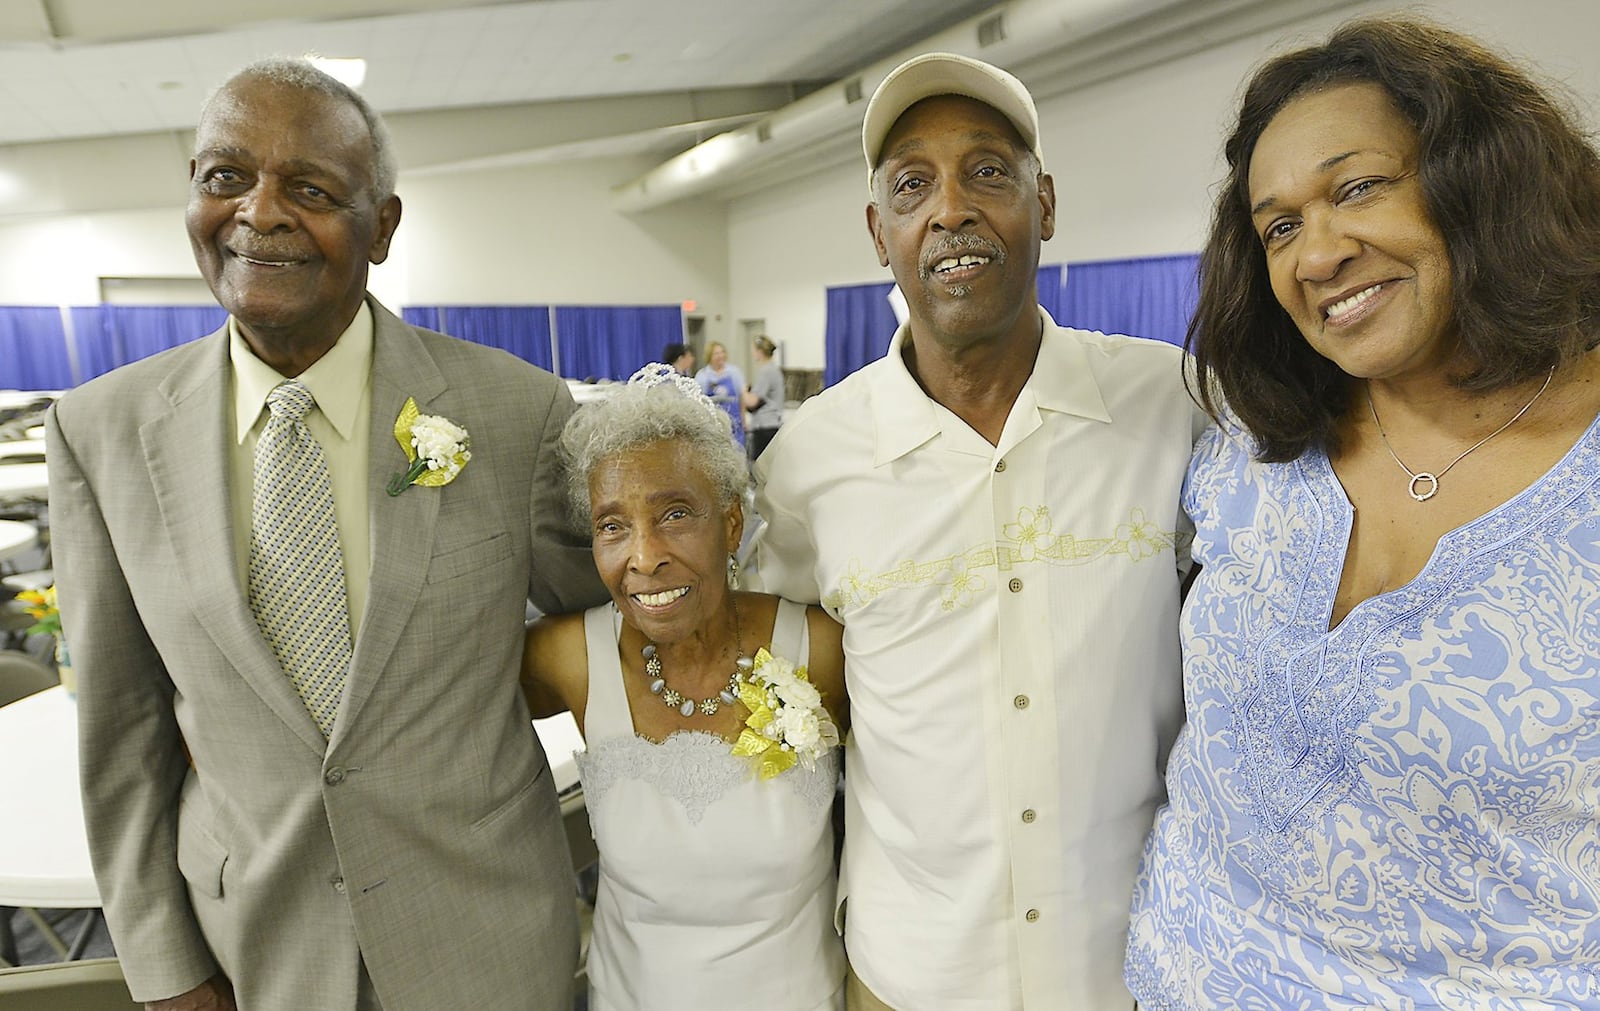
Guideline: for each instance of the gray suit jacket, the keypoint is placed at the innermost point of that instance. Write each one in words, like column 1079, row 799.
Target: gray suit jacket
column 424, row 837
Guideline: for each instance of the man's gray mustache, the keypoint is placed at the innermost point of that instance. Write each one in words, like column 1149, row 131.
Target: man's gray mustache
column 958, row 245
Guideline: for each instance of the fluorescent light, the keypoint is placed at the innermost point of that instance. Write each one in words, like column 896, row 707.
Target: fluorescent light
column 352, row 70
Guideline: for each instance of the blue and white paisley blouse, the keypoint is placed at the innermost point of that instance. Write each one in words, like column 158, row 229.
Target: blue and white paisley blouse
column 1401, row 813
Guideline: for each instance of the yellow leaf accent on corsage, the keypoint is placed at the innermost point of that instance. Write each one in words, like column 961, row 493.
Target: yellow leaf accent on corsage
column 402, row 428
column 436, row 449
column 754, row 697
column 770, row 758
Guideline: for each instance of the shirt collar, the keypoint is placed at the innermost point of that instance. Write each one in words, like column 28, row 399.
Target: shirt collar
column 336, row 380
column 904, row 417
column 1063, row 379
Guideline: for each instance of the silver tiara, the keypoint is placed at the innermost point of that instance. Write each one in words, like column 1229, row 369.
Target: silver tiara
column 657, row 374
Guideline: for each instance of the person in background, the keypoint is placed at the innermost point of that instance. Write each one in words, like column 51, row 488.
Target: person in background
column 1388, row 791
column 766, row 397
column 991, row 510
column 724, row 383
column 716, row 878
column 309, row 778
column 680, row 357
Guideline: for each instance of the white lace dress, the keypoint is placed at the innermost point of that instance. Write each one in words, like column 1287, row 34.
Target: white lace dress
column 716, row 888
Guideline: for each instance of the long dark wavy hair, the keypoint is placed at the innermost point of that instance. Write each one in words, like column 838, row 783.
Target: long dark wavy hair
column 1509, row 179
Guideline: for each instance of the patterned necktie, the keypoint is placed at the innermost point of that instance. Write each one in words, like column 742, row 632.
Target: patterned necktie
column 296, row 568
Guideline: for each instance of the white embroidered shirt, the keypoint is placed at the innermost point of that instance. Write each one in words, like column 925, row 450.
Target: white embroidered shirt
column 1010, row 620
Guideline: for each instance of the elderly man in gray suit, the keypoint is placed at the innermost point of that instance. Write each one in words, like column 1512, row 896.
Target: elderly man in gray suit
column 309, row 776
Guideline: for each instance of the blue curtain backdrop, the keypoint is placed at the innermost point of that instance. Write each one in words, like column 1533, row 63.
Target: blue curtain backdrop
column 1050, row 290
column 108, row 336
column 859, row 327
column 33, row 349
column 523, row 330
column 426, row 316
column 861, row 323
column 613, row 342
column 1152, row 297
column 97, row 351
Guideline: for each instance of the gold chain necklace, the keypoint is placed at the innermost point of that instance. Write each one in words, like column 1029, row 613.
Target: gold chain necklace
column 1427, row 479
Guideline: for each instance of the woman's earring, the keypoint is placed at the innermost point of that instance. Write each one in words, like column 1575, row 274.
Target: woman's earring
column 733, row 572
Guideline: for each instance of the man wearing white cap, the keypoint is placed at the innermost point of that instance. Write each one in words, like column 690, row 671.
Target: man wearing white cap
column 992, row 512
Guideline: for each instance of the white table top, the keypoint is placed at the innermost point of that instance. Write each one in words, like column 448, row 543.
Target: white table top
column 44, row 855
column 561, row 740
column 22, row 447
column 36, row 432
column 24, row 480
column 44, row 852
column 15, row 537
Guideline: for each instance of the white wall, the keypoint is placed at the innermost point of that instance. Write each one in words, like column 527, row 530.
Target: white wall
column 547, row 235
column 542, row 234
column 1135, row 162
column 60, row 260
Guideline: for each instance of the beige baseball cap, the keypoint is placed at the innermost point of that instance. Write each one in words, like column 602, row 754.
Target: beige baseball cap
column 947, row 74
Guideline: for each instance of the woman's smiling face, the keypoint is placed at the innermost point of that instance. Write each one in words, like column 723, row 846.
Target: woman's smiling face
column 662, row 539
column 1353, row 253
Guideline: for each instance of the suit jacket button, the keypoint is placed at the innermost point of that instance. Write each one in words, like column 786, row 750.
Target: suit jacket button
column 338, row 885
column 334, row 776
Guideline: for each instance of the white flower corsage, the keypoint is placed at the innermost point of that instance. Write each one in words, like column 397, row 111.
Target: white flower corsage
column 787, row 722
column 436, row 448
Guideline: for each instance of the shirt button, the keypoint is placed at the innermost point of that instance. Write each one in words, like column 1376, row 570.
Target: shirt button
column 1033, row 915
column 1000, row 468
column 1021, row 701
column 334, row 776
column 1028, row 816
column 338, row 885
column 1015, row 585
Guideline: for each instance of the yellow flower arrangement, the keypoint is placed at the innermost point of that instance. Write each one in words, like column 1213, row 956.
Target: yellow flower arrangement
column 41, row 606
column 787, row 722
column 435, row 447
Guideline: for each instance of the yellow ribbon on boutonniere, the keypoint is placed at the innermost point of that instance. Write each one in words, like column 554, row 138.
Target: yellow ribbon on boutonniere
column 435, row 447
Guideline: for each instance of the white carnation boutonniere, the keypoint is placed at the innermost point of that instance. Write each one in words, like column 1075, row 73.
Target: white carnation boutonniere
column 787, row 723
column 436, row 448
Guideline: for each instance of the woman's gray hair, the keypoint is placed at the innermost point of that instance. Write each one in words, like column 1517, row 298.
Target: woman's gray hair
column 639, row 414
column 292, row 72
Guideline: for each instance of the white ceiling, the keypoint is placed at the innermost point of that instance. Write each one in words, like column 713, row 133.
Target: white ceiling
column 98, row 98
column 95, row 68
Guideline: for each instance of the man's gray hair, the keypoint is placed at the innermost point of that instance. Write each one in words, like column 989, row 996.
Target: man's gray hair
column 292, row 72
column 637, row 416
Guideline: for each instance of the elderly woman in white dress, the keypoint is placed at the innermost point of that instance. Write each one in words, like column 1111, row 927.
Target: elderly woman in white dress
column 711, row 717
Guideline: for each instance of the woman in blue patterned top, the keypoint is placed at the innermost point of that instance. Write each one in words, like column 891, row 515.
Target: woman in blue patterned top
column 1387, row 794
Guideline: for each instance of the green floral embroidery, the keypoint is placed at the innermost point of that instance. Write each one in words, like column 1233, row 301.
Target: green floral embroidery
column 958, row 583
column 1027, row 541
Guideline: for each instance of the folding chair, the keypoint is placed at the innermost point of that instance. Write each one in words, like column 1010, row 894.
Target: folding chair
column 21, row 675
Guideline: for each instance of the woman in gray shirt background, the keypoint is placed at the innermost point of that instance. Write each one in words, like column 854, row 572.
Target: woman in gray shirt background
column 767, row 396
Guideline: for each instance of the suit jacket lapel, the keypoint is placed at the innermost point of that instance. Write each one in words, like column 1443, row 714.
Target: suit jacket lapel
column 401, row 526
column 187, row 454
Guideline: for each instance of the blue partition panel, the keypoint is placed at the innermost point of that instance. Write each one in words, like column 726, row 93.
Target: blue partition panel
column 614, row 341
column 33, row 349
